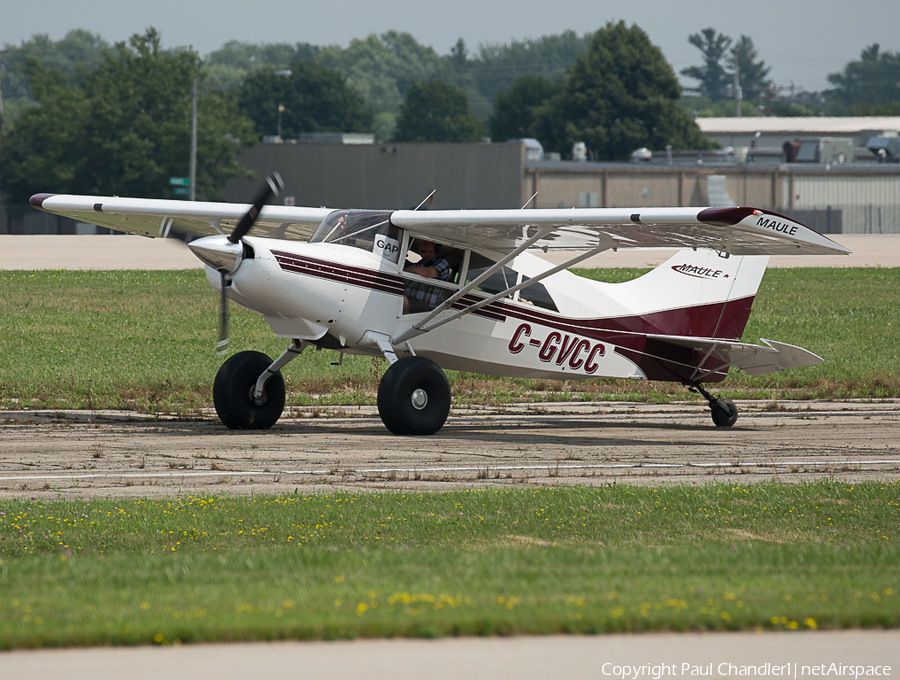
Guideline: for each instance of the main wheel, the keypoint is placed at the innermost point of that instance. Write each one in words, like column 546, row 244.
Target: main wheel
column 233, row 393
column 724, row 412
column 414, row 397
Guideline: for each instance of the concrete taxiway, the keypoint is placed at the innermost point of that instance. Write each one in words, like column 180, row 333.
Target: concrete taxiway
column 842, row 654
column 137, row 252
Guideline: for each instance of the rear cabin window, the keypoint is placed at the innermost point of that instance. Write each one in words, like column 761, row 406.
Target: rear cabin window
column 535, row 294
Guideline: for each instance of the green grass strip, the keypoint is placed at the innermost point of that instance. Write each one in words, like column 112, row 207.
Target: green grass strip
column 529, row 561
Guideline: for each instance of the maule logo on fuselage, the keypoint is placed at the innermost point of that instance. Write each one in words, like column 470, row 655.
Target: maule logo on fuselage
column 563, row 349
column 775, row 225
column 699, row 272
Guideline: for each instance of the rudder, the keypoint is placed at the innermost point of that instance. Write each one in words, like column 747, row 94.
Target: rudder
column 699, row 293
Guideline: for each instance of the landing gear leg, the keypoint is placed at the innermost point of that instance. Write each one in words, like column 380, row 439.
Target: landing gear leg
column 724, row 411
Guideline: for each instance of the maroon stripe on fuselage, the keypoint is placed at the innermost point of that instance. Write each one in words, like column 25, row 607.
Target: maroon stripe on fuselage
column 724, row 320
column 368, row 278
column 354, row 276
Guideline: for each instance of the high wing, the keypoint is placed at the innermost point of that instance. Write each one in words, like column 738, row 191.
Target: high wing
column 156, row 218
column 737, row 231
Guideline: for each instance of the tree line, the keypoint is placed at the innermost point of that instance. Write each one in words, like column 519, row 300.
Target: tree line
column 81, row 116
column 732, row 74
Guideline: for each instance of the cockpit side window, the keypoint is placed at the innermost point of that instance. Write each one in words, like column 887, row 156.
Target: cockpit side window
column 365, row 229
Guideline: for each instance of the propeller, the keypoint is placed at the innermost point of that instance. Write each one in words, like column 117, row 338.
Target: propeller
column 273, row 186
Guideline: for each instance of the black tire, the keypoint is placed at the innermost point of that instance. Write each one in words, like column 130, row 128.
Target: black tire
column 724, row 412
column 233, row 393
column 414, row 397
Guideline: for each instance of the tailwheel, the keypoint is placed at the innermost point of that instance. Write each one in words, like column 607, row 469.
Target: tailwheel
column 414, row 397
column 233, row 393
column 724, row 411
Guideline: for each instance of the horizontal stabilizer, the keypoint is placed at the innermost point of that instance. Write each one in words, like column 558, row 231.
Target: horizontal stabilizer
column 753, row 359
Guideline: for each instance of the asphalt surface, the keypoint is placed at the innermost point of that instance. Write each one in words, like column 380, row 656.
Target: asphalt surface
column 113, row 454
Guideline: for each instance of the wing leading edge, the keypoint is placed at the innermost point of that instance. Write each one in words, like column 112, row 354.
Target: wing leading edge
column 737, row 231
column 157, row 217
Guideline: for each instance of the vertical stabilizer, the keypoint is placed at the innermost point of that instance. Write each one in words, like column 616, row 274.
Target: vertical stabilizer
column 698, row 293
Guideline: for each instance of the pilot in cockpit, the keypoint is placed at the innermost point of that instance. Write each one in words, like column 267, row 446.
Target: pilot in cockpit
column 421, row 297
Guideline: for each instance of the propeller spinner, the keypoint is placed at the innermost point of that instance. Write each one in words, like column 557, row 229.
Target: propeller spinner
column 225, row 253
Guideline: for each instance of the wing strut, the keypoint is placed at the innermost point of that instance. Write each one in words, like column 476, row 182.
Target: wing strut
column 430, row 322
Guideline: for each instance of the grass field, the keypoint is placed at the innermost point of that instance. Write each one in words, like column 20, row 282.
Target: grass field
column 144, row 341
column 483, row 562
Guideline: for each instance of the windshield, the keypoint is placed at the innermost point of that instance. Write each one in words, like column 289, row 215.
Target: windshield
column 366, row 229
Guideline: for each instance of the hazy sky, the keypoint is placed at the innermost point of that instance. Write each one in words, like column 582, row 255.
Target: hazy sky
column 803, row 41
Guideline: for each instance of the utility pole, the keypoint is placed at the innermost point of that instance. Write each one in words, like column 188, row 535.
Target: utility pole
column 193, row 163
column 2, row 70
column 738, row 94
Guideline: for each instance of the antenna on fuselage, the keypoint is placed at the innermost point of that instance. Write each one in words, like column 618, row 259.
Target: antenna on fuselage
column 529, row 200
column 425, row 200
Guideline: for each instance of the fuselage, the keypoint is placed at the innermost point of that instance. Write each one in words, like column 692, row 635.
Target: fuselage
column 564, row 327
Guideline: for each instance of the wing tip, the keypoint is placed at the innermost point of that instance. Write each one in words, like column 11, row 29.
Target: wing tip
column 724, row 217
column 38, row 200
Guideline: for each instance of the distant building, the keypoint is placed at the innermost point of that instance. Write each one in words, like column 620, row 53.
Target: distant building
column 831, row 139
column 832, row 197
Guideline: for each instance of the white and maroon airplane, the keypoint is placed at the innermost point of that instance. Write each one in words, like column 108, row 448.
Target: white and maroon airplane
column 340, row 280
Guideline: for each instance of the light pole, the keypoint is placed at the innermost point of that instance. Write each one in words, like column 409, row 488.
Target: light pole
column 282, row 73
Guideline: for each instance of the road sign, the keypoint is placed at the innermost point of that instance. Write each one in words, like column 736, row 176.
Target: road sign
column 182, row 191
column 179, row 182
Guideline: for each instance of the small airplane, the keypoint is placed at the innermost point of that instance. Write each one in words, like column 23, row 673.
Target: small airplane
column 347, row 280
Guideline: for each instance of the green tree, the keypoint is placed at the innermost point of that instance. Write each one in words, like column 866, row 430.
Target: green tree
column 312, row 98
column 619, row 96
column 457, row 68
column 380, row 68
column 892, row 109
column 499, row 66
column 227, row 66
column 752, row 72
column 714, row 80
column 435, row 111
column 125, row 129
column 873, row 80
column 514, row 111
column 77, row 52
